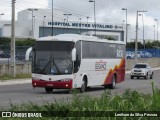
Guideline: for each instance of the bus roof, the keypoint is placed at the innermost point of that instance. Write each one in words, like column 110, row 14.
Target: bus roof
column 76, row 37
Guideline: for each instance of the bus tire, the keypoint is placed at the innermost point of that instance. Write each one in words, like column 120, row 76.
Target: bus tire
column 84, row 85
column 105, row 86
column 48, row 90
column 113, row 84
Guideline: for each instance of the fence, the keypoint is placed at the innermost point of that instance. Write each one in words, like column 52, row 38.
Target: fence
column 147, row 53
column 19, row 56
column 21, row 51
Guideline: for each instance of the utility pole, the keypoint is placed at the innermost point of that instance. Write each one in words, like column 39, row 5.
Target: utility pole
column 136, row 41
column 52, row 17
column 126, row 24
column 13, row 65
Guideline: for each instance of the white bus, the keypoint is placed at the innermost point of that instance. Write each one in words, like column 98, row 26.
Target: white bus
column 70, row 61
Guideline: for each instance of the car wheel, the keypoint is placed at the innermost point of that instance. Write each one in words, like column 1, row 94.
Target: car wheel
column 146, row 77
column 48, row 90
column 131, row 77
column 151, row 77
column 113, row 84
column 83, row 86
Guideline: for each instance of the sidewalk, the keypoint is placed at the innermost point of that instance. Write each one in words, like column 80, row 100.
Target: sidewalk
column 28, row 80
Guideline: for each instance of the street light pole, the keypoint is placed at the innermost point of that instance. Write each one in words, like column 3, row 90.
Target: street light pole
column 87, row 23
column 32, row 20
column 94, row 15
column 157, row 36
column 123, row 24
column 52, row 18
column 67, row 20
column 143, row 30
column 64, row 25
column 1, row 15
column 136, row 43
column 126, row 24
column 79, row 25
column 154, row 32
column 157, row 28
column 43, row 24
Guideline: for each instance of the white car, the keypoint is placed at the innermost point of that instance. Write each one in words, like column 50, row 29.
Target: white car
column 142, row 70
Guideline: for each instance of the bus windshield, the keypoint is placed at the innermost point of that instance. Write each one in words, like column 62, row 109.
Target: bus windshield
column 52, row 57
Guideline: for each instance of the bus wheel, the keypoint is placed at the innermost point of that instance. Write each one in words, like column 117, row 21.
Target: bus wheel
column 83, row 86
column 113, row 84
column 48, row 90
column 105, row 86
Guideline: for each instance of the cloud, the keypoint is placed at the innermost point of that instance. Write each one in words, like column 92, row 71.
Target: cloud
column 107, row 11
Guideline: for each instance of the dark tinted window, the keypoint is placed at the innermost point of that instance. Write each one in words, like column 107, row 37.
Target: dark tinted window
column 140, row 66
column 52, row 57
column 102, row 50
column 54, row 46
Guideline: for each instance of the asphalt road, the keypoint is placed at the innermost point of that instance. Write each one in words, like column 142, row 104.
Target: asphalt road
column 24, row 93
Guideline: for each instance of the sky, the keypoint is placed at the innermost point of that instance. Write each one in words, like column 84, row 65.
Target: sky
column 107, row 11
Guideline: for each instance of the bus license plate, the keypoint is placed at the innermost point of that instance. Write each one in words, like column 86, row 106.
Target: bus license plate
column 49, row 84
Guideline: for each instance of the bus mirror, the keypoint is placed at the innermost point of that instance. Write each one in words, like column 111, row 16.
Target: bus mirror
column 74, row 54
column 27, row 55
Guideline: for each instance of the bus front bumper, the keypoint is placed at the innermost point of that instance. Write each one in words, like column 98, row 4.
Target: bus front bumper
column 52, row 84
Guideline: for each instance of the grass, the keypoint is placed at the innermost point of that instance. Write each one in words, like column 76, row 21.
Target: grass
column 85, row 107
column 19, row 76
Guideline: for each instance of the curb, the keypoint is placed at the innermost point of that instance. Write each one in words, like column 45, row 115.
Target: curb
column 16, row 81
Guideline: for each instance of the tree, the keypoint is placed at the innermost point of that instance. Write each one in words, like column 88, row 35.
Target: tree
column 148, row 45
column 19, row 42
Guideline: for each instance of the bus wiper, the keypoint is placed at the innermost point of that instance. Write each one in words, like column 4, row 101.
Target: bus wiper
column 46, row 66
column 55, row 65
column 51, row 59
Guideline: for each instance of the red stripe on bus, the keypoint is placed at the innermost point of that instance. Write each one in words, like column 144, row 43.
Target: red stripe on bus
column 120, row 72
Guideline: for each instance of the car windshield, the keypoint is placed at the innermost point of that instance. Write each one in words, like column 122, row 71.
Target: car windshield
column 140, row 66
column 52, row 57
